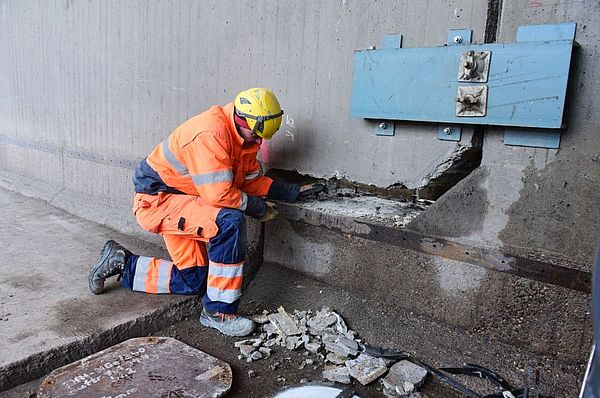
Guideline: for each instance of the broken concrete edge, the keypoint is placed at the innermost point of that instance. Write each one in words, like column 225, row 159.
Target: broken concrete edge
column 42, row 363
column 503, row 260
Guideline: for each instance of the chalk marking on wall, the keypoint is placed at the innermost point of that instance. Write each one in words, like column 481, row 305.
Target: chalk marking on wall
column 289, row 121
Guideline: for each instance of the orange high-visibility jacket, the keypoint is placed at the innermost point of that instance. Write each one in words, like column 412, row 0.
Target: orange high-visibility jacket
column 204, row 157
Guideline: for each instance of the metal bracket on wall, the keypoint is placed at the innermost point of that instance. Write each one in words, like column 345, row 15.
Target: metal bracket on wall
column 388, row 127
column 520, row 85
column 449, row 132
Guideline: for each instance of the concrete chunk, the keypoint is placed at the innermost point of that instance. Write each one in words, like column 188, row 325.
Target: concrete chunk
column 321, row 321
column 340, row 345
column 366, row 368
column 338, row 375
column 284, row 323
column 237, row 344
column 293, row 342
column 313, row 346
column 406, row 371
column 336, row 359
column 255, row 356
column 246, row 349
column 266, row 352
column 260, row 318
column 270, row 329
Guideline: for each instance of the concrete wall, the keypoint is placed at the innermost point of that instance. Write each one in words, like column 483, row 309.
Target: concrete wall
column 89, row 87
column 537, row 200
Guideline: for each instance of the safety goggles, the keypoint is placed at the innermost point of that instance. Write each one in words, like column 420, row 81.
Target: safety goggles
column 260, row 120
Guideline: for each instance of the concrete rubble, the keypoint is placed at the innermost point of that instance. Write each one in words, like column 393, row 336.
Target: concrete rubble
column 366, row 369
column 403, row 379
column 327, row 342
column 338, row 374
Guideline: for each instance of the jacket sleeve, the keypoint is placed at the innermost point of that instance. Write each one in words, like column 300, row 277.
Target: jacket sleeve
column 254, row 182
column 211, row 168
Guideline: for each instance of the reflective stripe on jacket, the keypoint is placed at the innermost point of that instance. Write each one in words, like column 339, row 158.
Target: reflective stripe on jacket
column 205, row 157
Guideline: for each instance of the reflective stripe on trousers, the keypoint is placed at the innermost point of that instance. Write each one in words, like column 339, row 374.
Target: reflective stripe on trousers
column 225, row 281
column 152, row 275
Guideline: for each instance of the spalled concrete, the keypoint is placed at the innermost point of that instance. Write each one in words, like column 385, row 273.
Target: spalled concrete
column 48, row 316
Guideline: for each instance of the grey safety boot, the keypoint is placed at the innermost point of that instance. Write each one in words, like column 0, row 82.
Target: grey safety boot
column 111, row 262
column 229, row 324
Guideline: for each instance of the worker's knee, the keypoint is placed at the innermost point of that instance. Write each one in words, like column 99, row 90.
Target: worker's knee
column 231, row 217
column 232, row 223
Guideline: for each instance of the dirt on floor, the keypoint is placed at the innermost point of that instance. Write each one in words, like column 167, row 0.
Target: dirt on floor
column 266, row 377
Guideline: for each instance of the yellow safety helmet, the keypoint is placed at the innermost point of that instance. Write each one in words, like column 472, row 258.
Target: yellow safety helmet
column 262, row 111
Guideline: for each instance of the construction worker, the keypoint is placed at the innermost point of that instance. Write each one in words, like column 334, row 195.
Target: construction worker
column 195, row 188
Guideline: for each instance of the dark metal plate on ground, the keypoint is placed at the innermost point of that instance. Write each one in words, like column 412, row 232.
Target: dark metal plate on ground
column 141, row 367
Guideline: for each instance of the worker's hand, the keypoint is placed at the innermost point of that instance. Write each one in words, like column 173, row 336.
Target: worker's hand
column 270, row 214
column 308, row 190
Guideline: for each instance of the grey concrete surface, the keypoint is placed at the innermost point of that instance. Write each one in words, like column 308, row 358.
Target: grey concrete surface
column 339, row 250
column 48, row 316
column 89, row 89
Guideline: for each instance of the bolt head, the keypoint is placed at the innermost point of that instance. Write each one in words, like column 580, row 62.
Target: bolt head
column 458, row 39
column 448, row 130
column 383, row 125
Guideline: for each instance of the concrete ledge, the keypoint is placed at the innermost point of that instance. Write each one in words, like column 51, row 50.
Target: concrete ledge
column 514, row 261
column 48, row 315
column 372, row 260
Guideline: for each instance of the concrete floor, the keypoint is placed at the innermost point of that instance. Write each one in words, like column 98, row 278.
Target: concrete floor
column 48, row 316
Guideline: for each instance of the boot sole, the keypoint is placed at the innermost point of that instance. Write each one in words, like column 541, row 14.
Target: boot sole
column 99, row 263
